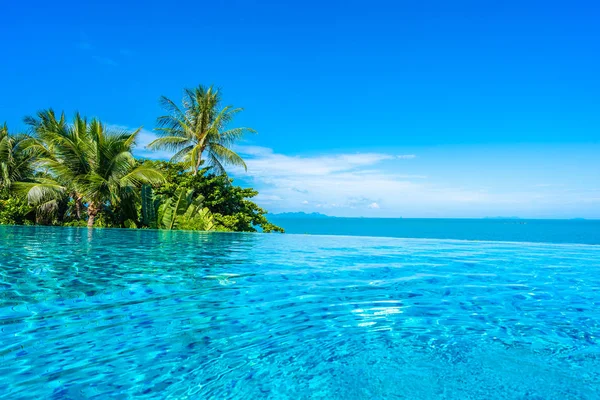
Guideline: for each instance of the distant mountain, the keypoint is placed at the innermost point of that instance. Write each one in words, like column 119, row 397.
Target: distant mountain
column 301, row 215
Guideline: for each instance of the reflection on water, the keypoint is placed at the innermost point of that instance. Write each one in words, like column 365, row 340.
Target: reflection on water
column 156, row 314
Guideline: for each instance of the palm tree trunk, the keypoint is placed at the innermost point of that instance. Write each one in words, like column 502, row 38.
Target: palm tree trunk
column 198, row 164
column 77, row 206
column 93, row 210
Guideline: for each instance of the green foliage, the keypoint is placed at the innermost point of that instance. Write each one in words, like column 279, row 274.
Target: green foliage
column 149, row 207
column 207, row 219
column 64, row 173
column 182, row 210
column 173, row 208
column 229, row 204
column 15, row 211
column 91, row 162
column 17, row 159
column 77, row 223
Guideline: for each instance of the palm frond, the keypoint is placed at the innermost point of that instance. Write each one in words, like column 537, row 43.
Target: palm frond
column 216, row 165
column 182, row 154
column 171, row 143
column 39, row 192
column 142, row 175
column 177, row 119
column 226, row 156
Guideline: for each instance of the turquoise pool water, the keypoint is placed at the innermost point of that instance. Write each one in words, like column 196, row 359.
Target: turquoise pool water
column 153, row 315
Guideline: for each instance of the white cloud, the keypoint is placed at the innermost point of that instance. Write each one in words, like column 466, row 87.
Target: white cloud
column 264, row 159
column 347, row 184
column 144, row 138
column 267, row 197
column 381, row 184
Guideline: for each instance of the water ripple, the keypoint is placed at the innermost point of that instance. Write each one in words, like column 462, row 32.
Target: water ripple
column 147, row 314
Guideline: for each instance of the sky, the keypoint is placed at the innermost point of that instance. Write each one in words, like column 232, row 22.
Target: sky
column 376, row 109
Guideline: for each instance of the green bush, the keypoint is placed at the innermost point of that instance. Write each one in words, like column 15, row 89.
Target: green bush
column 228, row 204
column 15, row 211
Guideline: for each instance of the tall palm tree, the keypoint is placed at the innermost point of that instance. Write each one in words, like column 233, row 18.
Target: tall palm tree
column 17, row 160
column 94, row 163
column 199, row 129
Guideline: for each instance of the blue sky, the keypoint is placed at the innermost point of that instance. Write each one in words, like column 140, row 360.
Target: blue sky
column 404, row 108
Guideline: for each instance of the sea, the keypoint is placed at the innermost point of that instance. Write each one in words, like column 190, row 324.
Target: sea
column 511, row 230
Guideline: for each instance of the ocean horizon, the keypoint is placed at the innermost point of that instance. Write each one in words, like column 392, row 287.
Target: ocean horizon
column 576, row 231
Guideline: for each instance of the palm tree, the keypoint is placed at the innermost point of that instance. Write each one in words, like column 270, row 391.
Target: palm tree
column 17, row 160
column 92, row 161
column 199, row 129
column 113, row 175
column 64, row 148
column 20, row 157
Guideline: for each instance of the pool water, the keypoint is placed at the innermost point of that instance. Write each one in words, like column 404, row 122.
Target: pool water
column 179, row 315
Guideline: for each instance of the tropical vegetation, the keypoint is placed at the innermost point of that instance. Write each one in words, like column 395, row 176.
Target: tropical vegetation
column 82, row 172
column 200, row 128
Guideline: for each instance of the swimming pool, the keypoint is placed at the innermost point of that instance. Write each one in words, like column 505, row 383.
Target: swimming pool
column 150, row 314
